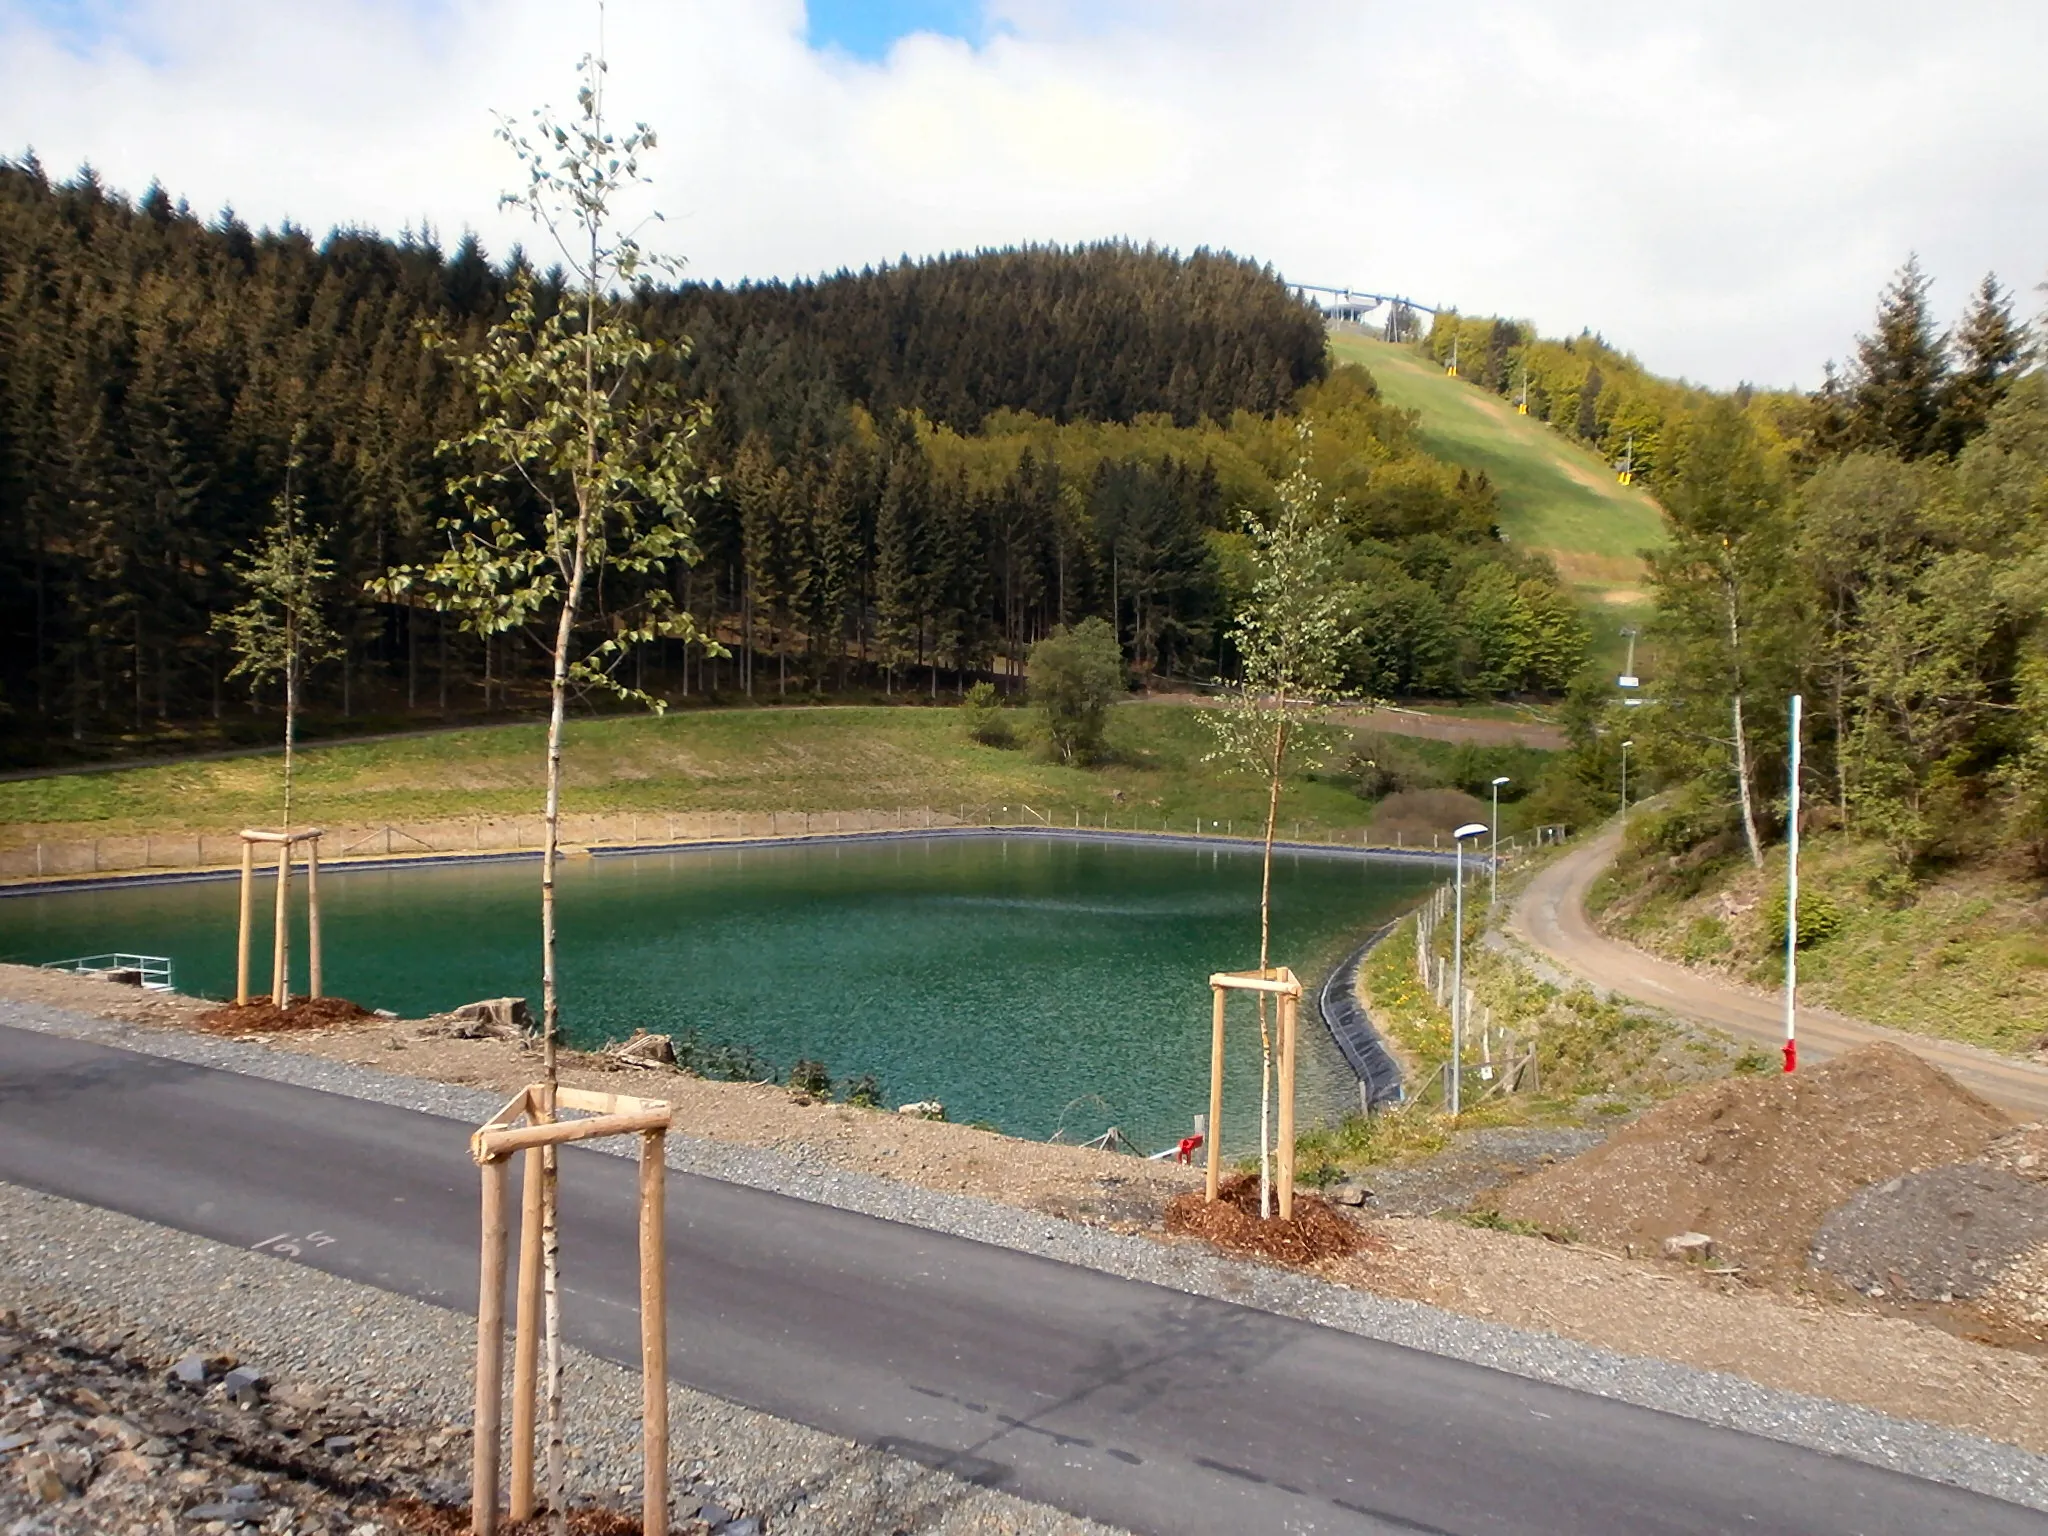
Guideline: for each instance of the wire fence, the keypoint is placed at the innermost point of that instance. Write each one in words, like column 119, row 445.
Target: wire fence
column 625, row 830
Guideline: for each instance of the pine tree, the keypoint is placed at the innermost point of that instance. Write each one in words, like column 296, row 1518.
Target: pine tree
column 1901, row 372
column 1987, row 349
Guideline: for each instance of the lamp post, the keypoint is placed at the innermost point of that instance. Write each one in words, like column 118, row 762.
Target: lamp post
column 1493, row 855
column 1624, row 781
column 1470, row 829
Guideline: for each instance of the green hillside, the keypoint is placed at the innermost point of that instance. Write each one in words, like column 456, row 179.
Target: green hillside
column 1555, row 496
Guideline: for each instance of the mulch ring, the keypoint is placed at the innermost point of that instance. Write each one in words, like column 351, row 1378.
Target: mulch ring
column 416, row 1517
column 1314, row 1233
column 260, row 1016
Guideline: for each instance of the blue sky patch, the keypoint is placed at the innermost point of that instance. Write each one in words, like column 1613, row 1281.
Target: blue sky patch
column 867, row 28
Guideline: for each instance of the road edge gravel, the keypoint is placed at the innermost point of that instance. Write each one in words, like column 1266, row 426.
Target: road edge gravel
column 1910, row 1446
column 410, row 1362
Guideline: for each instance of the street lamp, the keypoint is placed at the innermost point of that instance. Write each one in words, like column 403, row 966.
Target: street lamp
column 1493, row 862
column 1470, row 829
column 1624, row 781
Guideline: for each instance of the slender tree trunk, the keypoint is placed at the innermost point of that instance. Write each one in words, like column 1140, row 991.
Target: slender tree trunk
column 1265, row 961
column 291, row 723
column 1742, row 784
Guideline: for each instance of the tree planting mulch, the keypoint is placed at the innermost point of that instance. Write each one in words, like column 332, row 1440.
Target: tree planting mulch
column 1316, row 1231
column 416, row 1517
column 260, row 1016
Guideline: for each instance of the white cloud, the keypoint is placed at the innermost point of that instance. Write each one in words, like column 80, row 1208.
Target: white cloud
column 1721, row 188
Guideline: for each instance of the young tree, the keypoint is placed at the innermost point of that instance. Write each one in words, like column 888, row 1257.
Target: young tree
column 1076, row 674
column 1720, row 593
column 581, row 463
column 277, row 632
column 1291, row 638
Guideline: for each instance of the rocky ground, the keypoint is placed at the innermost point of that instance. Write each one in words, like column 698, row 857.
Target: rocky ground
column 1846, row 1347
column 259, row 1395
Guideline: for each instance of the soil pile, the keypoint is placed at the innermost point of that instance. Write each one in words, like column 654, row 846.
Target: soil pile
column 260, row 1016
column 1757, row 1163
column 1313, row 1233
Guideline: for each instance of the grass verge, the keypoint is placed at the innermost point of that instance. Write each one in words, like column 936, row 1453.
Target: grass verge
column 823, row 759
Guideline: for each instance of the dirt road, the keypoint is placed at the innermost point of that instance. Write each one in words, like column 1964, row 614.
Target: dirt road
column 1551, row 918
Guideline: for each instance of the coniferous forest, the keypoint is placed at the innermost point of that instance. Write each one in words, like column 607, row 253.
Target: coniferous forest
column 911, row 474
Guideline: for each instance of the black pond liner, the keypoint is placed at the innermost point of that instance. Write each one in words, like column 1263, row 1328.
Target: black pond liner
column 1353, row 1030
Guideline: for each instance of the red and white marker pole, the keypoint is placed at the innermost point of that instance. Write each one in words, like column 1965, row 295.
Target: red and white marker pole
column 1792, row 904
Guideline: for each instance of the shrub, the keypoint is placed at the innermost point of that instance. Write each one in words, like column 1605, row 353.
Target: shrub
column 1693, row 818
column 865, row 1091
column 810, row 1077
column 1820, row 918
column 982, row 714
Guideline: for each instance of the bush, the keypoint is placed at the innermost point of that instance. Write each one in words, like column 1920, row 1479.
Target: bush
column 1820, row 918
column 1076, row 674
column 982, row 713
column 1690, row 820
column 865, row 1091
column 810, row 1077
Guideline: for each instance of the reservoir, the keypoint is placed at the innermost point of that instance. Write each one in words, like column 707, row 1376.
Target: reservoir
column 1028, row 982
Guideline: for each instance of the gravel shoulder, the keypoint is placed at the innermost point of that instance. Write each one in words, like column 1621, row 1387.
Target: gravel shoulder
column 405, row 1368
column 1876, row 1388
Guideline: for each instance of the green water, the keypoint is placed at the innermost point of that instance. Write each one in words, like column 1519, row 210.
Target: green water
column 1007, row 977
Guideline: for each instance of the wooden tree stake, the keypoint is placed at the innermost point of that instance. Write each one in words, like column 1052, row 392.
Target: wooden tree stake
column 492, row 1145
column 248, row 913
column 1286, row 989
column 313, row 915
column 1290, row 1011
column 653, row 1334
column 1215, row 1130
column 280, row 944
column 490, row 1355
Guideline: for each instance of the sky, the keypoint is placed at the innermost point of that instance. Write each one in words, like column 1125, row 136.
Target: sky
column 1721, row 188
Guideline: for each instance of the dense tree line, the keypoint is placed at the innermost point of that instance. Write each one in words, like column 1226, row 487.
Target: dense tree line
column 1910, row 388
column 911, row 474
column 1889, row 565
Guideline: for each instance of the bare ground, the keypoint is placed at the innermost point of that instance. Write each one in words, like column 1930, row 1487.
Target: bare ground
column 1846, row 1348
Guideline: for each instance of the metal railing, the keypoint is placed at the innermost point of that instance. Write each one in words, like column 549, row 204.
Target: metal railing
column 151, row 971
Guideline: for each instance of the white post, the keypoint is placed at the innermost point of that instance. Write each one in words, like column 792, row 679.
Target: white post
column 1493, row 864
column 1792, row 902
column 1458, row 982
column 1624, row 783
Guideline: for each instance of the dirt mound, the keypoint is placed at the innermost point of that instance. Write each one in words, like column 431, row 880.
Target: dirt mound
column 1758, row 1162
column 1313, row 1233
column 260, row 1016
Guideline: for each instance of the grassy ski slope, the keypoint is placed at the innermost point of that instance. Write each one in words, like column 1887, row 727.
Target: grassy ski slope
column 1555, row 495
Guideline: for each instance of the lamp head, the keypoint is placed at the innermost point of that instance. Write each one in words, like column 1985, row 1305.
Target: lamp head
column 1470, row 829
column 1503, row 779
column 1626, row 745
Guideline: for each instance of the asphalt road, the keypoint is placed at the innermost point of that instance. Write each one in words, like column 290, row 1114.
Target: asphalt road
column 1129, row 1403
column 1551, row 917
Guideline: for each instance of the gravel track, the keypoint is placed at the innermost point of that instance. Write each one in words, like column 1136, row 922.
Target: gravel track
column 1919, row 1449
